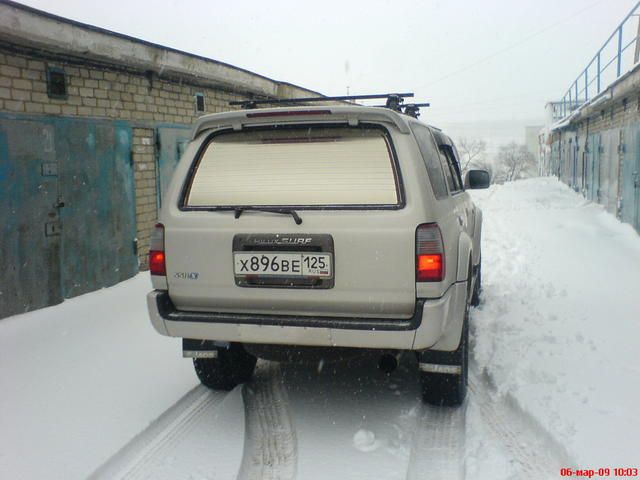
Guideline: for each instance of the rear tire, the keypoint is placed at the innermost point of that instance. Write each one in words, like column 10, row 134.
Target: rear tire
column 445, row 388
column 232, row 367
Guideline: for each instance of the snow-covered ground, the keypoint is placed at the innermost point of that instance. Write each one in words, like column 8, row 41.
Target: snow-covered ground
column 82, row 378
column 558, row 328
column 88, row 388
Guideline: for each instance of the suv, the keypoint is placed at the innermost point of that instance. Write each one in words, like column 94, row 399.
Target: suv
column 318, row 229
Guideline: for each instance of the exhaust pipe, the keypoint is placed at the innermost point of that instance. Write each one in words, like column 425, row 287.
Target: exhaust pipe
column 388, row 363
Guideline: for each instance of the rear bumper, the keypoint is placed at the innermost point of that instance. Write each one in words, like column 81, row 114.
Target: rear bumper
column 427, row 326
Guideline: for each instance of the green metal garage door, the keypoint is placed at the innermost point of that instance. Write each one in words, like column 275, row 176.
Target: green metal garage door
column 67, row 209
column 631, row 177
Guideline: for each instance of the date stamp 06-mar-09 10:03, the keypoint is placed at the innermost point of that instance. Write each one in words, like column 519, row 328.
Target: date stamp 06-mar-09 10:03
column 601, row 472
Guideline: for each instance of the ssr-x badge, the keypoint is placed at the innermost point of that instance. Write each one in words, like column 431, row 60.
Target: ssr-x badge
column 186, row 275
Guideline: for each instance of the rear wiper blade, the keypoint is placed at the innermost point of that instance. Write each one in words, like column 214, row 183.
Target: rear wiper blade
column 285, row 211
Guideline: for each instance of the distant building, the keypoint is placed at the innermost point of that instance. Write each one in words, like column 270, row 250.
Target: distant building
column 92, row 124
column 531, row 138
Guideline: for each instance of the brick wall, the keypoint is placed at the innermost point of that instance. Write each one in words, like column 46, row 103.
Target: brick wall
column 621, row 113
column 144, row 164
column 100, row 92
column 142, row 99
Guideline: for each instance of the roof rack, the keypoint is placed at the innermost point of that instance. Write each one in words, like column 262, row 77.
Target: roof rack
column 411, row 109
column 394, row 102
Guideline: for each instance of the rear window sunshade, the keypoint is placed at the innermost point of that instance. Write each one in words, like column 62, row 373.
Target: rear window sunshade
column 314, row 167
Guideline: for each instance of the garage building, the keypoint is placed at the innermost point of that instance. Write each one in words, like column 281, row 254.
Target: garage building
column 92, row 124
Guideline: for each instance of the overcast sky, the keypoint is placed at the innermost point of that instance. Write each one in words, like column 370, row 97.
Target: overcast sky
column 475, row 61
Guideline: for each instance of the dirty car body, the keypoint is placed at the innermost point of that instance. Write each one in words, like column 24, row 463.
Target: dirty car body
column 341, row 226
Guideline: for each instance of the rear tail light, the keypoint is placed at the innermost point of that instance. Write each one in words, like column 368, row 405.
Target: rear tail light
column 429, row 253
column 157, row 264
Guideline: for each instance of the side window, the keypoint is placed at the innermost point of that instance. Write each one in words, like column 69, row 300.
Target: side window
column 451, row 165
column 456, row 155
column 447, row 171
column 431, row 159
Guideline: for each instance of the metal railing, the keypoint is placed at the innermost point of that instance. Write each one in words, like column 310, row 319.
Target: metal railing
column 597, row 75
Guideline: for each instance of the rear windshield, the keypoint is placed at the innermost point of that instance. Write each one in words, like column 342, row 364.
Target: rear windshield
column 315, row 166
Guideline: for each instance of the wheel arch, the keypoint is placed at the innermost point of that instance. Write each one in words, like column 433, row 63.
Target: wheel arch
column 465, row 257
column 453, row 326
column 477, row 237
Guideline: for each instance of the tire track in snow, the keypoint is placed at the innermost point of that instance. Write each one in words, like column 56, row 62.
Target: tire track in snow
column 352, row 420
column 532, row 450
column 134, row 460
column 444, row 446
column 271, row 447
column 438, row 451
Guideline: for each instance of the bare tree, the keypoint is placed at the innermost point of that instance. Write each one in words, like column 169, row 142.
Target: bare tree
column 472, row 152
column 514, row 161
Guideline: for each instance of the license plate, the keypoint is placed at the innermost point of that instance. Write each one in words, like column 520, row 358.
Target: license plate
column 283, row 264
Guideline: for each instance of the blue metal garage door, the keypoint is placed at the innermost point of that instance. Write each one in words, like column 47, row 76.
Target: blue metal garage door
column 592, row 182
column 631, row 177
column 67, row 209
column 29, row 259
column 98, row 217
